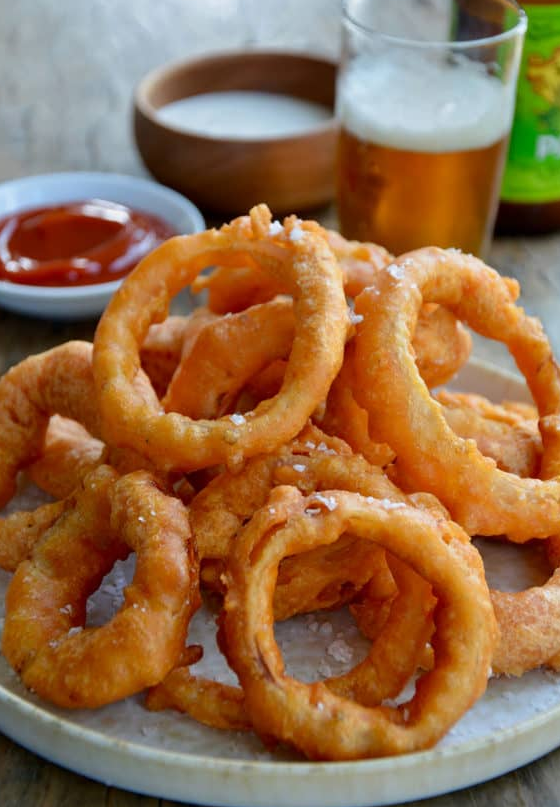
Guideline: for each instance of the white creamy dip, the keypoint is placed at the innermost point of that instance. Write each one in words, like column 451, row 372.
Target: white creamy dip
column 244, row 115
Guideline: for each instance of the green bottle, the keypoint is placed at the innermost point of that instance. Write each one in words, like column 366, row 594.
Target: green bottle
column 530, row 197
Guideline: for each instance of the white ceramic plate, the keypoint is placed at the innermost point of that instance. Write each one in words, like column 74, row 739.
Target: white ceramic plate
column 66, row 303
column 169, row 756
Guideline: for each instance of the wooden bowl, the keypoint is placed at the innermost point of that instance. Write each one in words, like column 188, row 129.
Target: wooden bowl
column 223, row 175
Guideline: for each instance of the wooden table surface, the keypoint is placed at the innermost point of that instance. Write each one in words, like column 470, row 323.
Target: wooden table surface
column 68, row 69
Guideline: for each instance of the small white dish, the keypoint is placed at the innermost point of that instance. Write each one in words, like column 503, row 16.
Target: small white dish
column 80, row 302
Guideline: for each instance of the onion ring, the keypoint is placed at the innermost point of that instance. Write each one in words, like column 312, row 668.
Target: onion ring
column 56, row 382
column 308, row 270
column 230, row 351
column 359, row 261
column 59, row 381
column 232, row 291
column 314, row 462
column 20, row 531
column 222, row 706
column 165, row 343
column 407, row 625
column 480, row 497
column 217, row 705
column 311, row 717
column 68, row 454
column 263, row 385
column 499, row 432
column 323, row 577
column 442, row 344
column 44, row 638
column 529, row 622
column 317, row 581
column 344, row 418
column 399, row 645
column 227, row 354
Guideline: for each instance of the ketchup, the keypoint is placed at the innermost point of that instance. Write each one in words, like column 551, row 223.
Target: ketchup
column 77, row 244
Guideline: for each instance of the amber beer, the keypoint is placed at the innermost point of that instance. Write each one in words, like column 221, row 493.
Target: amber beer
column 405, row 199
column 421, row 152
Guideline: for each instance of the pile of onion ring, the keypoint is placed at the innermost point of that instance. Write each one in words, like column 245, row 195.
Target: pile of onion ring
column 284, row 449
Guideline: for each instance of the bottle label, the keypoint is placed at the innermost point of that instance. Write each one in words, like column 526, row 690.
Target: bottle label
column 532, row 173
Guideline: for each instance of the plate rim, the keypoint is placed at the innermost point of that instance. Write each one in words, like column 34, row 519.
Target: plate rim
column 524, row 742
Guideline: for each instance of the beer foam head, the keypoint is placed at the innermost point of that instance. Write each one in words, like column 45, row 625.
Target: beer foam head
column 418, row 102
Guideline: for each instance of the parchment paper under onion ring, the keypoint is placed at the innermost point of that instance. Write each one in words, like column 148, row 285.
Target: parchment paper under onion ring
column 307, row 270
column 430, row 456
column 318, row 722
column 44, row 636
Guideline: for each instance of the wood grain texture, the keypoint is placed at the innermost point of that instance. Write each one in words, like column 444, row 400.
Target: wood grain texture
column 69, row 68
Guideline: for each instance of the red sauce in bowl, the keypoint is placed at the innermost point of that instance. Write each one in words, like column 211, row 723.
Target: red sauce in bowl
column 77, row 244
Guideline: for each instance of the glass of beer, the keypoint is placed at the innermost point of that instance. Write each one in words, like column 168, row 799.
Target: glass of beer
column 425, row 99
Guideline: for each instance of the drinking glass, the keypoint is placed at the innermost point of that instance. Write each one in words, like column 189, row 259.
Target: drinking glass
column 425, row 99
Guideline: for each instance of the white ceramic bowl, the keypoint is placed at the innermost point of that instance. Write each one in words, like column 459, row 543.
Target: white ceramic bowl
column 80, row 302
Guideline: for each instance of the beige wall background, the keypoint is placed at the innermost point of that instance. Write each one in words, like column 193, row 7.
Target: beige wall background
column 59, row 51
